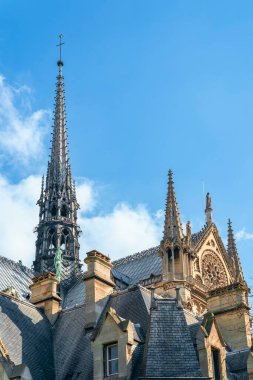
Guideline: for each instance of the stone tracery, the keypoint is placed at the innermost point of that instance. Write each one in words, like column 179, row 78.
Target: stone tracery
column 213, row 271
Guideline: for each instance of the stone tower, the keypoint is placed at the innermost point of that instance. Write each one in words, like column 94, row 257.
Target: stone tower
column 57, row 228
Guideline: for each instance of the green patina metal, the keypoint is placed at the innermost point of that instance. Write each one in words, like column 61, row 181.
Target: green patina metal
column 58, row 263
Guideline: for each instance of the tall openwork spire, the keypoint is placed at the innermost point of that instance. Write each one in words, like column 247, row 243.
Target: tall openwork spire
column 233, row 254
column 58, row 230
column 172, row 226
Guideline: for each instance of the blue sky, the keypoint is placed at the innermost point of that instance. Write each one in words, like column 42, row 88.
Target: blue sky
column 150, row 85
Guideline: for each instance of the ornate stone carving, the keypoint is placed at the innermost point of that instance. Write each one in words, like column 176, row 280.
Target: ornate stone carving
column 213, row 271
column 198, row 280
column 208, row 201
column 12, row 292
column 196, row 265
column 187, row 304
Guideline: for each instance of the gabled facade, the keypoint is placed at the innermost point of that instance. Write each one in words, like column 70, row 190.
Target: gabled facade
column 176, row 311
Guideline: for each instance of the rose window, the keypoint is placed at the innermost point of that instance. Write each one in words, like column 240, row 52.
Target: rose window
column 213, row 272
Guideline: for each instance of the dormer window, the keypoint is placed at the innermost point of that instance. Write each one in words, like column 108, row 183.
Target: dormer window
column 111, row 359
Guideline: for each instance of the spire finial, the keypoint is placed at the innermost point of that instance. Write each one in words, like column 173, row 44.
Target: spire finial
column 60, row 62
column 208, row 210
column 233, row 254
column 189, row 231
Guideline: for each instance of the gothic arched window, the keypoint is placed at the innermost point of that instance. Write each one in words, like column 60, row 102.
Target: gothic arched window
column 51, row 241
column 64, row 211
column 53, row 210
column 65, row 241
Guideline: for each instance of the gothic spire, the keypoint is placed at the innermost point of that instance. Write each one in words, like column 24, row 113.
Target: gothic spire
column 233, row 254
column 59, row 168
column 172, row 226
column 58, row 230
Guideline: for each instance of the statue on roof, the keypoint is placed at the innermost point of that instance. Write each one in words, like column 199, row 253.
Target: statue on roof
column 58, row 263
column 208, row 201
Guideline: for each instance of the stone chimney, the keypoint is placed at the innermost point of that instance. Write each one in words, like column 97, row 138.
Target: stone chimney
column 99, row 285
column 44, row 294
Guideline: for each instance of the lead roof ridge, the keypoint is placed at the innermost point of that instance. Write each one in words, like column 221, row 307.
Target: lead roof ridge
column 17, row 264
column 26, row 303
column 135, row 256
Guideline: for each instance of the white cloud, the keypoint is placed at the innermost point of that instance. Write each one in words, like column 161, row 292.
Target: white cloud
column 86, row 194
column 18, row 218
column 21, row 132
column 123, row 231
column 243, row 235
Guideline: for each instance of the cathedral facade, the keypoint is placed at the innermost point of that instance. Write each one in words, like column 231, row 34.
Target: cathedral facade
column 176, row 311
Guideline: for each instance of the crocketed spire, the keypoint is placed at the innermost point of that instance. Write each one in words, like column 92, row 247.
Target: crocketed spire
column 233, row 254
column 59, row 168
column 172, row 226
column 58, row 230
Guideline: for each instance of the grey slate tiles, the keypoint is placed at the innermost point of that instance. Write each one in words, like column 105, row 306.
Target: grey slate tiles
column 15, row 275
column 140, row 265
column 26, row 333
column 72, row 346
column 237, row 365
column 169, row 348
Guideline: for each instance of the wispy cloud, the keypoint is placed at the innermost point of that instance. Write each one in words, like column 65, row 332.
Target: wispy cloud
column 123, row 231
column 21, row 130
column 243, row 235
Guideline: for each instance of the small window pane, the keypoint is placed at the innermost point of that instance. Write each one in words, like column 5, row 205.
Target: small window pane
column 113, row 366
column 112, row 352
column 111, row 359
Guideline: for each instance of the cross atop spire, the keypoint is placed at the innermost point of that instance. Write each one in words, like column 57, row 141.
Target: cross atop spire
column 233, row 254
column 60, row 62
column 172, row 226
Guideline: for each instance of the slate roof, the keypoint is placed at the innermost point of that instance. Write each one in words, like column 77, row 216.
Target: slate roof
column 140, row 266
column 26, row 333
column 16, row 275
column 237, row 365
column 123, row 302
column 169, row 348
column 75, row 295
column 73, row 359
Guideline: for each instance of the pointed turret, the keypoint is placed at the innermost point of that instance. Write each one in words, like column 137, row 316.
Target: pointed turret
column 233, row 254
column 58, row 230
column 173, row 244
column 172, row 227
